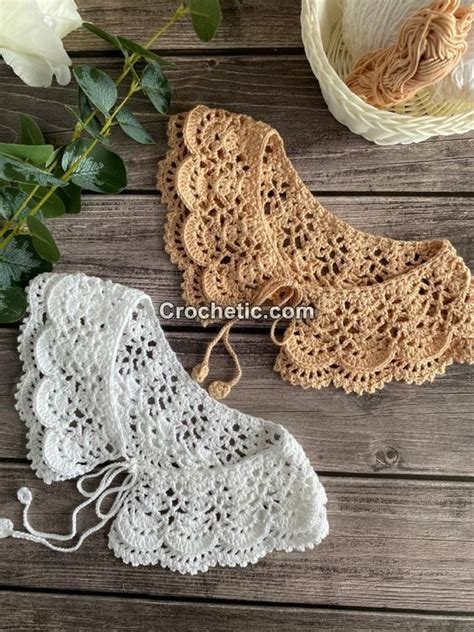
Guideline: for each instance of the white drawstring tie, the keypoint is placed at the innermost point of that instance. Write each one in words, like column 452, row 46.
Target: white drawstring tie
column 104, row 489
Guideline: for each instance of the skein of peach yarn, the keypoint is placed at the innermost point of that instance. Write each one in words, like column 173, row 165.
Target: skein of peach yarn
column 430, row 45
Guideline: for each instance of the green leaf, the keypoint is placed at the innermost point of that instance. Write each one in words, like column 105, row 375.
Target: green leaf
column 206, row 17
column 98, row 87
column 156, row 87
column 30, row 133
column 13, row 304
column 53, row 207
column 86, row 112
column 123, row 43
column 56, row 153
column 10, row 200
column 71, row 197
column 133, row 47
column 133, row 128
column 91, row 128
column 102, row 171
column 15, row 170
column 37, row 155
column 107, row 37
column 19, row 262
column 43, row 241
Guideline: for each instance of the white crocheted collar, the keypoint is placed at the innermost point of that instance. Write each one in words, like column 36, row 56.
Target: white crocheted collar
column 202, row 485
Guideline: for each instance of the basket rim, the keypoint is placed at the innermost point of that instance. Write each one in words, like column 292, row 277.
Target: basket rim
column 312, row 37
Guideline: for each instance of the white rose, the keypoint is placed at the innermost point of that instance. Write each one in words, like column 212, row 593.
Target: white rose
column 30, row 39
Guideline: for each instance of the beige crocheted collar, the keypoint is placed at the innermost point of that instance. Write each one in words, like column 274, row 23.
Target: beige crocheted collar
column 242, row 226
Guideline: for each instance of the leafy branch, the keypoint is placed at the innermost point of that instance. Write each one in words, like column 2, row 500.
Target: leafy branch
column 39, row 182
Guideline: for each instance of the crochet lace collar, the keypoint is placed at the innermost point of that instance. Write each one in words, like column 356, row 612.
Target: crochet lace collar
column 201, row 484
column 241, row 223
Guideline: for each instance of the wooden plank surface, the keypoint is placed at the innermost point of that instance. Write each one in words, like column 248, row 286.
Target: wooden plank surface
column 280, row 90
column 121, row 237
column 392, row 543
column 397, row 465
column 251, row 24
column 425, row 430
column 44, row 611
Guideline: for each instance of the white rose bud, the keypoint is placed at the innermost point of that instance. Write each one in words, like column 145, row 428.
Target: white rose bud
column 30, row 39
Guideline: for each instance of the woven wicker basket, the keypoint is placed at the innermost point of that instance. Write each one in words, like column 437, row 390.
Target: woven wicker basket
column 411, row 122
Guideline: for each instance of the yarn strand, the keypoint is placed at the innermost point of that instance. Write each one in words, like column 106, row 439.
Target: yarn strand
column 430, row 45
column 240, row 217
column 220, row 389
column 109, row 473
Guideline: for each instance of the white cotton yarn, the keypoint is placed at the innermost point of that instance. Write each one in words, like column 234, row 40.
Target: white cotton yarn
column 372, row 24
column 185, row 482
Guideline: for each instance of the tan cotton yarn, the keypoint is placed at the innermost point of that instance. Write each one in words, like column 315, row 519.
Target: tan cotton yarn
column 242, row 226
column 430, row 45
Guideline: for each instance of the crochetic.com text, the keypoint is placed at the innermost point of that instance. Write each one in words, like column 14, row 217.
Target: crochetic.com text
column 242, row 311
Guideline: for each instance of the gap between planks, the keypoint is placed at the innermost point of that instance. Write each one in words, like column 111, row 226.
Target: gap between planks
column 121, row 612
column 327, row 156
column 341, row 434
column 390, row 543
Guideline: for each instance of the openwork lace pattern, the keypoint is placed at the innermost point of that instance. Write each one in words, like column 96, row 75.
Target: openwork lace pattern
column 202, row 485
column 240, row 218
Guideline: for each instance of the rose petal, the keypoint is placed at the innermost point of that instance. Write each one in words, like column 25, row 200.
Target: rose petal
column 62, row 74
column 30, row 46
column 34, row 71
column 63, row 14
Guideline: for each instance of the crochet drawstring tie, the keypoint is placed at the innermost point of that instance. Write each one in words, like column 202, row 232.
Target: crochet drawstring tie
column 107, row 474
column 387, row 309
column 173, row 460
column 220, row 389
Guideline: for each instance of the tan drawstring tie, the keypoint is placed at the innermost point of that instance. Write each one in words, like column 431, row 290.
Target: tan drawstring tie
column 430, row 45
column 220, row 389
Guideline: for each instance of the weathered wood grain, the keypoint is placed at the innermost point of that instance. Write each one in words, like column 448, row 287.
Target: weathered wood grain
column 404, row 544
column 121, row 237
column 403, row 429
column 280, row 90
column 43, row 611
column 256, row 24
column 394, row 543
